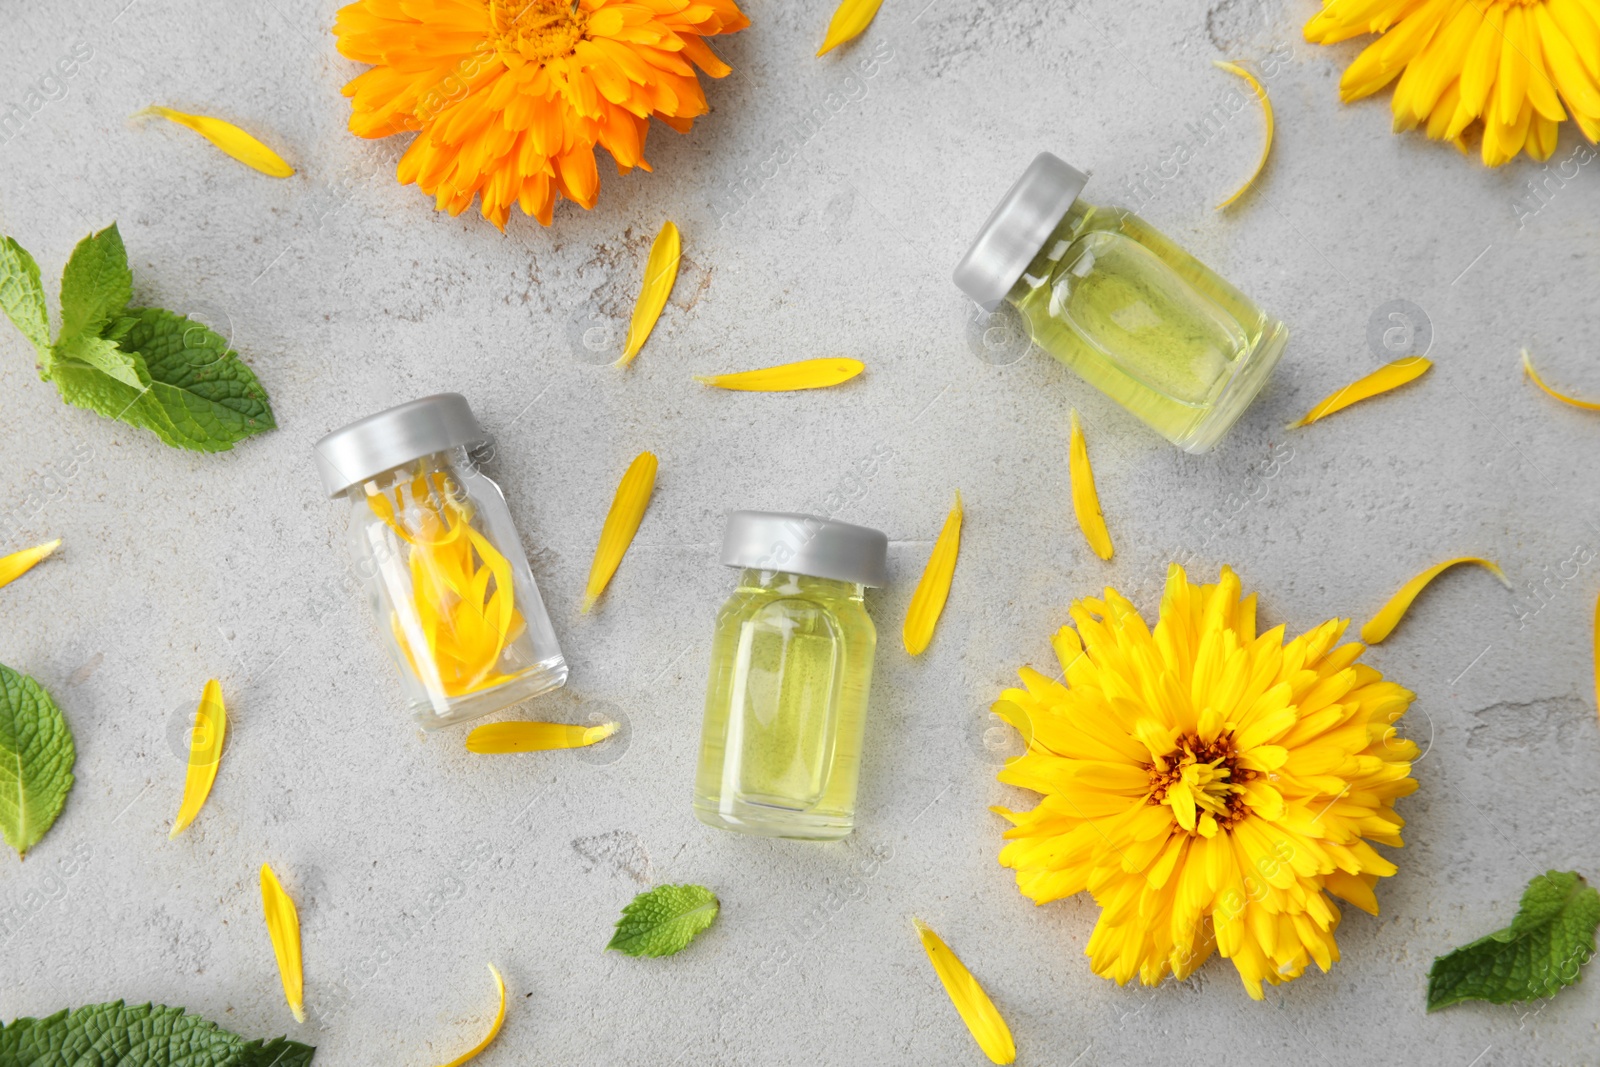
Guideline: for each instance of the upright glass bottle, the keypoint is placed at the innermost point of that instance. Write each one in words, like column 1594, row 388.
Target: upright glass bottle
column 433, row 546
column 1116, row 301
column 791, row 663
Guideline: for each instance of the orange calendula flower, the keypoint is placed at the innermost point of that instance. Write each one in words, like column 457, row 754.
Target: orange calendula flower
column 1517, row 67
column 1213, row 787
column 510, row 98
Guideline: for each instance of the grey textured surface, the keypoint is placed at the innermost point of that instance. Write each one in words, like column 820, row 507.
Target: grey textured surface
column 413, row 862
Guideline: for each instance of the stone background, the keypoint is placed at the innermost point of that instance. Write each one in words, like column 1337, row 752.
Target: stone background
column 413, row 862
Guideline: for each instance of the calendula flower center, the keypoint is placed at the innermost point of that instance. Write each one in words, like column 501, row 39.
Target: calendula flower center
column 1202, row 783
column 536, row 31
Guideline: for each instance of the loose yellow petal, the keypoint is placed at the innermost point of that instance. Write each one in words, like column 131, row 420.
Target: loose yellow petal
column 494, row 1027
column 1266, row 115
column 205, row 754
column 283, row 926
column 500, row 737
column 1383, row 623
column 989, row 1030
column 1085, row 499
column 849, row 20
column 934, row 588
column 1387, row 377
column 622, row 522
column 660, row 271
column 1527, row 366
column 17, row 564
column 807, row 374
column 230, row 138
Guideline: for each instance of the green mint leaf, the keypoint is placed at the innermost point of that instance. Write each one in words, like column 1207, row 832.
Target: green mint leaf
column 1538, row 955
column 143, row 1035
column 664, row 920
column 104, row 356
column 36, row 758
column 96, row 284
column 208, row 397
column 22, row 295
column 85, row 386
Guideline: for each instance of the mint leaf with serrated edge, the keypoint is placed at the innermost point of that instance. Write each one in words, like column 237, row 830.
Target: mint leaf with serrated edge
column 1538, row 955
column 148, row 367
column 96, row 284
column 210, row 398
column 36, row 758
column 22, row 295
column 664, row 920
column 141, row 1035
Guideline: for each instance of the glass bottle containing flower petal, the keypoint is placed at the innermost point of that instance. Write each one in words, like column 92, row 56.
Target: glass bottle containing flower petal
column 1119, row 303
column 433, row 545
column 791, row 665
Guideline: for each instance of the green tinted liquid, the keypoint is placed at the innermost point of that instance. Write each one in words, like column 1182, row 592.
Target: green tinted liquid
column 791, row 663
column 1147, row 324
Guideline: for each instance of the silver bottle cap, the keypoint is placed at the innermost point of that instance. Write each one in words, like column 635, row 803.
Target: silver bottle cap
column 806, row 544
column 381, row 442
column 1018, row 228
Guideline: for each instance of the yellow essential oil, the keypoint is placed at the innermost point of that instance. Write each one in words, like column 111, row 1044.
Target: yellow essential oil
column 1120, row 304
column 786, row 703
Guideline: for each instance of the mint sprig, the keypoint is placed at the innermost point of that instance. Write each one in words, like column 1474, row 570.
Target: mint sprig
column 664, row 920
column 1538, row 955
column 140, row 1035
column 36, row 758
column 147, row 367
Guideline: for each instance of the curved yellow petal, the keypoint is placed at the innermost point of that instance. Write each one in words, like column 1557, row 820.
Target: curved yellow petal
column 494, row 1027
column 1266, row 115
column 1085, row 498
column 17, row 564
column 283, row 926
column 205, row 755
column 1527, row 367
column 850, row 20
column 934, row 589
column 1387, row 377
column 622, row 522
column 788, row 377
column 983, row 1019
column 1388, row 616
column 500, row 737
column 660, row 272
column 228, row 137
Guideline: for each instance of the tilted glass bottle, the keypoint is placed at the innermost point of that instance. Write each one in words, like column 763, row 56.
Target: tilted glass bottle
column 1122, row 305
column 791, row 664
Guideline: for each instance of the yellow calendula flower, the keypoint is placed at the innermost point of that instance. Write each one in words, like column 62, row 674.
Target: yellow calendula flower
column 1517, row 68
column 1213, row 788
column 510, row 98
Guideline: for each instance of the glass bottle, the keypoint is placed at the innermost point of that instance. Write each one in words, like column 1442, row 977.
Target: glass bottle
column 433, row 545
column 791, row 664
column 1133, row 314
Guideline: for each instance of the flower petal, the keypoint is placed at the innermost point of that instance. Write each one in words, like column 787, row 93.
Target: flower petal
column 501, row 737
column 17, row 564
column 1266, row 115
column 494, row 1027
column 660, row 272
column 622, row 522
column 205, row 754
column 1085, row 498
column 928, row 601
column 787, row 377
column 228, row 137
column 283, row 926
column 850, row 20
column 1383, row 623
column 1527, row 367
column 983, row 1019
column 1387, row 377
